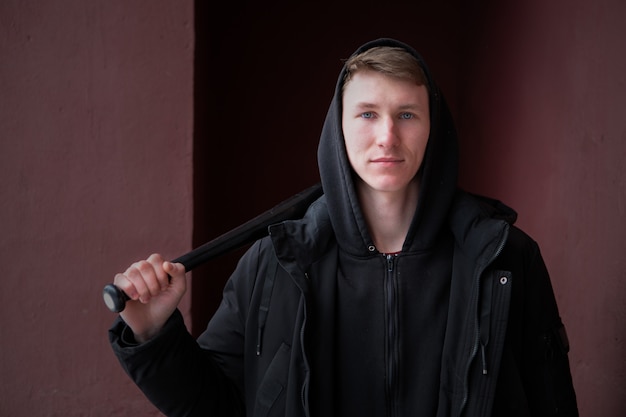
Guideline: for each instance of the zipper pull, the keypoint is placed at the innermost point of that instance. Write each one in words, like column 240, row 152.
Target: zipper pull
column 484, row 358
column 389, row 263
column 259, row 341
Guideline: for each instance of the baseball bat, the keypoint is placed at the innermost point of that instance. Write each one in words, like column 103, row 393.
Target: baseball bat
column 292, row 208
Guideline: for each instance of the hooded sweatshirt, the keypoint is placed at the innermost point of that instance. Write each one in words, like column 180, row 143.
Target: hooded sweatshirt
column 391, row 309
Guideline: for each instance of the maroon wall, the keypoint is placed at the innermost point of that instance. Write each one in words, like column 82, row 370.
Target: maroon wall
column 95, row 170
column 102, row 127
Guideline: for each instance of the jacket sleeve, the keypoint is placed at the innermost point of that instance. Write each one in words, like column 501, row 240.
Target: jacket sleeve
column 185, row 377
column 173, row 372
column 535, row 359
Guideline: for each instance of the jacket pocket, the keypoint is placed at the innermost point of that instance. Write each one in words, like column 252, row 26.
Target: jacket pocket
column 273, row 383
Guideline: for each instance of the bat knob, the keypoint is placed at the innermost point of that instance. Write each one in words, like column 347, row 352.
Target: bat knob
column 114, row 298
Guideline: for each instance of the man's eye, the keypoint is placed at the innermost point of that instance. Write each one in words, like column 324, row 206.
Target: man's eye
column 406, row 116
column 367, row 115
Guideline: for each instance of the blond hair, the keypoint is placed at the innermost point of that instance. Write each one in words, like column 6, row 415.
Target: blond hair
column 391, row 61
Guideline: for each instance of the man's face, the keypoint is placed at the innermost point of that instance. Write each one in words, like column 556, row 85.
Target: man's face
column 386, row 124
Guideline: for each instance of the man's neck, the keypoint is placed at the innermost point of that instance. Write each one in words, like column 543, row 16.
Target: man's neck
column 388, row 216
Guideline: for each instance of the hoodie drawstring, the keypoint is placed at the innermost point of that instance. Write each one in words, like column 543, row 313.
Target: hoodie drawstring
column 485, row 320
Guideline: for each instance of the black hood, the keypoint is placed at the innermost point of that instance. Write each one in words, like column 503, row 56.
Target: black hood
column 439, row 172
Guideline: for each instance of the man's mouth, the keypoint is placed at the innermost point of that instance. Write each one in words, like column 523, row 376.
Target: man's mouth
column 387, row 159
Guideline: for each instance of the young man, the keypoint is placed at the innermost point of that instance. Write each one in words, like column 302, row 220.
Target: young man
column 397, row 294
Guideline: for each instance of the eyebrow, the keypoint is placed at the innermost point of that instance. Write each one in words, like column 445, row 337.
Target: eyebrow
column 367, row 105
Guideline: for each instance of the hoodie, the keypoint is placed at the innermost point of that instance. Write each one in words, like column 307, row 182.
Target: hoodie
column 439, row 171
column 391, row 310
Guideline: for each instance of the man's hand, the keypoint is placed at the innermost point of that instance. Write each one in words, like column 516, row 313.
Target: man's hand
column 155, row 288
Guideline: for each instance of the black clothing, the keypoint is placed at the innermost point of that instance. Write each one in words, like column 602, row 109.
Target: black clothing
column 316, row 322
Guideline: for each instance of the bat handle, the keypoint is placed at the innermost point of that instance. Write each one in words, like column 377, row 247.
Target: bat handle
column 114, row 298
column 294, row 207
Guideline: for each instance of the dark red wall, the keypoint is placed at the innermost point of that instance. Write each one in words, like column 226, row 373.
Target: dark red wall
column 115, row 143
column 96, row 123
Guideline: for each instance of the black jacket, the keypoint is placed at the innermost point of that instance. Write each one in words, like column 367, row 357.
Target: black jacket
column 316, row 322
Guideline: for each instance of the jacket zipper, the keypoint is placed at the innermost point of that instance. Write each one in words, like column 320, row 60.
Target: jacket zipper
column 476, row 340
column 392, row 334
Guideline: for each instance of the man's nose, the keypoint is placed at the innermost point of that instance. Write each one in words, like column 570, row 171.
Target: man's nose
column 386, row 132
